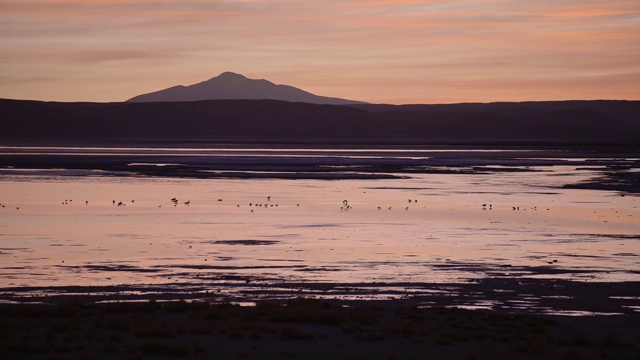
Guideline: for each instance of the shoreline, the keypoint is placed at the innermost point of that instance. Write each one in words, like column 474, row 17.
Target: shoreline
column 617, row 168
column 506, row 295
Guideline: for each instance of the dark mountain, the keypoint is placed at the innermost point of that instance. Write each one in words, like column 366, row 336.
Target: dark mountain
column 229, row 85
column 269, row 121
column 625, row 111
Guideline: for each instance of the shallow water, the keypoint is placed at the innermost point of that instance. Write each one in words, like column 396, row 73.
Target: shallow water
column 57, row 229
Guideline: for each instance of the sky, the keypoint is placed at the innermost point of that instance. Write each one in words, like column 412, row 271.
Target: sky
column 379, row 51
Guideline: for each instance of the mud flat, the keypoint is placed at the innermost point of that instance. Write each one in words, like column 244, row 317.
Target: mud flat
column 540, row 290
column 618, row 166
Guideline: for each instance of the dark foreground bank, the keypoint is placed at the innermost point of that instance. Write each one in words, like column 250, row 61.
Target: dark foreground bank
column 304, row 329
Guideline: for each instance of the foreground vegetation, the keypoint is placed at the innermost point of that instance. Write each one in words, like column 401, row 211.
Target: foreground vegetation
column 301, row 328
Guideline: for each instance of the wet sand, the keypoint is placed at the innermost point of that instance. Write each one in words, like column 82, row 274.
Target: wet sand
column 513, row 295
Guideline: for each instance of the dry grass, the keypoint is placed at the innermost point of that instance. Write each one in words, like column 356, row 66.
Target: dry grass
column 181, row 329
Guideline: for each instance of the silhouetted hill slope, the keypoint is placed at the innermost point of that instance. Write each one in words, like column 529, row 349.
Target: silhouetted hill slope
column 229, row 85
column 619, row 110
column 276, row 121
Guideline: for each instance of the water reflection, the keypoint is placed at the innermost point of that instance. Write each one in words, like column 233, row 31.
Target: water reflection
column 445, row 228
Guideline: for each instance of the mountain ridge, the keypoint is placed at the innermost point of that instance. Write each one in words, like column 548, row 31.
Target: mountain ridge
column 271, row 121
column 232, row 86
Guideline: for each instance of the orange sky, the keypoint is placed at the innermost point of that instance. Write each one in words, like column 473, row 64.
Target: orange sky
column 381, row 51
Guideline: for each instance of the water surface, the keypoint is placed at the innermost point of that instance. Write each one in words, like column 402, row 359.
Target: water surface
column 62, row 227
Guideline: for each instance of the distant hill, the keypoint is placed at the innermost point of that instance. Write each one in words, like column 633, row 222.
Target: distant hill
column 269, row 121
column 617, row 110
column 230, row 85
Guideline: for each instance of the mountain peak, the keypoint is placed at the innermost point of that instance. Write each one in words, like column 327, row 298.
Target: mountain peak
column 230, row 75
column 230, row 85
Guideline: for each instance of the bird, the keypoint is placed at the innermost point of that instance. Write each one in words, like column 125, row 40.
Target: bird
column 187, row 202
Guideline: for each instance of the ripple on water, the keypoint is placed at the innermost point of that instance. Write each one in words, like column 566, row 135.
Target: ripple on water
column 246, row 242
